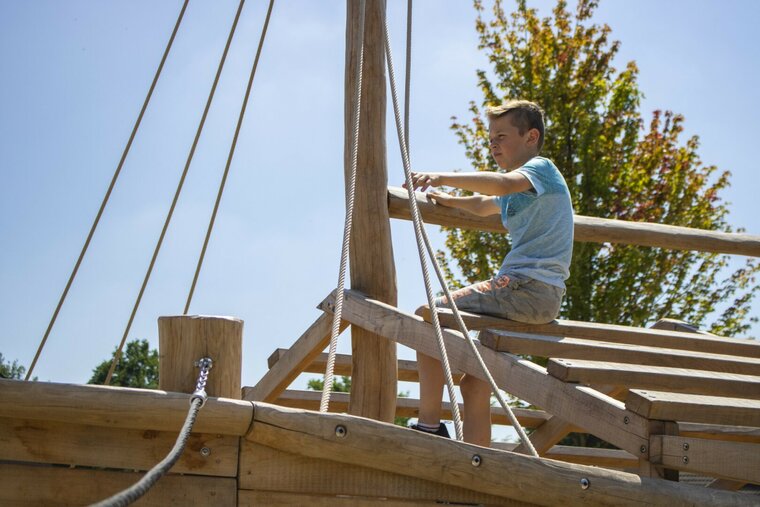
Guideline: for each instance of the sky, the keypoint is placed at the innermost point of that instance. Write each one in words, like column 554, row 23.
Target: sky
column 75, row 74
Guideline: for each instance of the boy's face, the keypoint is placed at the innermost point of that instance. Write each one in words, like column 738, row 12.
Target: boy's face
column 509, row 149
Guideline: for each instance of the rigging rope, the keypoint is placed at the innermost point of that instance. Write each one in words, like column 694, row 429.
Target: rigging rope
column 422, row 237
column 117, row 354
column 339, row 296
column 229, row 159
column 108, row 192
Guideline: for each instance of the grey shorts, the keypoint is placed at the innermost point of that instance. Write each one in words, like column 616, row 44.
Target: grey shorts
column 527, row 300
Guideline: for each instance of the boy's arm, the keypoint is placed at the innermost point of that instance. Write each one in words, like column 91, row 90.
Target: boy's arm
column 480, row 205
column 489, row 183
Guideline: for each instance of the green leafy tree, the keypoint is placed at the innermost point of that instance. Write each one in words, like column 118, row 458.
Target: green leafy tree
column 138, row 367
column 344, row 386
column 11, row 370
column 616, row 166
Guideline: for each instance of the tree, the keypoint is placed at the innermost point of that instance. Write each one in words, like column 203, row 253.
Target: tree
column 11, row 370
column 138, row 367
column 615, row 167
column 344, row 386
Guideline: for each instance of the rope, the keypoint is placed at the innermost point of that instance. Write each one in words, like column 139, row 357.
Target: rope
column 418, row 230
column 108, row 192
column 229, row 159
column 423, row 238
column 339, row 296
column 137, row 490
column 117, row 354
column 408, row 73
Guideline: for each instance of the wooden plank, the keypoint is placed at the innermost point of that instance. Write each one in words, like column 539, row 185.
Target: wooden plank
column 661, row 378
column 371, row 250
column 577, row 348
column 119, row 407
column 592, row 456
column 78, row 444
column 726, row 460
column 23, row 485
column 264, row 468
column 366, row 443
column 292, row 363
column 720, row 432
column 405, row 407
column 274, row 498
column 407, row 369
column 589, row 229
column 681, row 340
column 596, row 413
column 694, row 408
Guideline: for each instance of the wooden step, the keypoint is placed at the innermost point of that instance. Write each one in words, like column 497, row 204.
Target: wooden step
column 694, row 408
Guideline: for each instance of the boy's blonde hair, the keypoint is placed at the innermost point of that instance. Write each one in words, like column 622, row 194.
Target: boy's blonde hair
column 525, row 115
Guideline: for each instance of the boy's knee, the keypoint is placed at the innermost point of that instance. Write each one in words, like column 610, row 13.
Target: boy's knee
column 474, row 387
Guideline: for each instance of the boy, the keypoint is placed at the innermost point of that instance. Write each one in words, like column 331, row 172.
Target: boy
column 532, row 197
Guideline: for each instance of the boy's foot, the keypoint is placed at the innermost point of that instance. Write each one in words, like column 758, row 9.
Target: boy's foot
column 441, row 430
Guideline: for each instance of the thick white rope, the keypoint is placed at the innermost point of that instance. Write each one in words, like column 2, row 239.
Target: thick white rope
column 423, row 238
column 418, row 230
column 339, row 296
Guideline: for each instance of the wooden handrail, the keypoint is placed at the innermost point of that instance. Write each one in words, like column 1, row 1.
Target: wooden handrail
column 589, row 229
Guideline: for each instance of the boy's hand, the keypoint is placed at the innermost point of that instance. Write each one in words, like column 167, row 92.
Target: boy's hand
column 425, row 180
column 442, row 199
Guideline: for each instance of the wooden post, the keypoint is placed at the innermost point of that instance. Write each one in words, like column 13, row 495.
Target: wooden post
column 185, row 339
column 373, row 377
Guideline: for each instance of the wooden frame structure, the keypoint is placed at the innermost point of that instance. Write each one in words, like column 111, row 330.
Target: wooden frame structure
column 671, row 399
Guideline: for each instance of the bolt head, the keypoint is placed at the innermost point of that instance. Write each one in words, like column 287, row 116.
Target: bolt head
column 685, row 460
column 643, row 449
column 585, row 483
column 476, row 460
column 340, row 431
column 205, row 452
column 685, row 446
column 626, row 420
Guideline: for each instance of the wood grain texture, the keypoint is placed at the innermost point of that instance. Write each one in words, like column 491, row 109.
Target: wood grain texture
column 694, row 408
column 131, row 449
column 608, row 458
column 726, row 460
column 24, row 485
column 371, row 444
column 185, row 339
column 119, row 407
column 589, row 229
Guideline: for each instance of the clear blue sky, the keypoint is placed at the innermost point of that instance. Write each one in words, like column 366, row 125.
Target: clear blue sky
column 75, row 73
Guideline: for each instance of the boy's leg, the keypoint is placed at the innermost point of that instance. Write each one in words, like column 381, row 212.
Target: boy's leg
column 432, row 381
column 476, row 395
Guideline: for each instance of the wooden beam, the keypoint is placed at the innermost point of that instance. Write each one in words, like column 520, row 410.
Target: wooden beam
column 647, row 337
column 589, row 229
column 596, row 413
column 720, row 432
column 578, row 348
column 694, row 407
column 268, row 469
column 407, row 369
column 365, row 443
column 255, row 498
column 293, row 362
column 47, row 485
column 119, row 407
column 405, row 407
column 659, row 378
column 371, row 251
column 592, row 456
column 131, row 449
column 726, row 460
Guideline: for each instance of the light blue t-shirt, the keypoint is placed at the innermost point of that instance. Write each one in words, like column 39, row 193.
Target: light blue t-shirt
column 540, row 223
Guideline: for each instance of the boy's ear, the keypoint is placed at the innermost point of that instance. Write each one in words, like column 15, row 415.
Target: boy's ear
column 533, row 136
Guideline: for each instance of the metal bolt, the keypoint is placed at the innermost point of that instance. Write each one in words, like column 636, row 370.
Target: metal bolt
column 626, row 420
column 205, row 452
column 643, row 449
column 685, row 446
column 476, row 460
column 685, row 460
column 585, row 483
column 340, row 431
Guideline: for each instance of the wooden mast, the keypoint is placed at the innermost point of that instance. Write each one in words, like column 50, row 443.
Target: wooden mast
column 373, row 389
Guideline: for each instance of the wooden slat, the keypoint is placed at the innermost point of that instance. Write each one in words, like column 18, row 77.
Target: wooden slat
column 407, row 369
column 694, row 408
column 292, row 363
column 405, row 407
column 659, row 378
column 720, row 432
column 275, row 498
column 592, row 456
column 672, row 339
column 593, row 411
column 577, row 348
column 362, row 442
column 588, row 229
column 119, row 407
column 727, row 460
column 24, row 485
column 131, row 449
column 264, row 468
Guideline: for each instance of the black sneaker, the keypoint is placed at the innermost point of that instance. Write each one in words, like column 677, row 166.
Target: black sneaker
column 442, row 431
